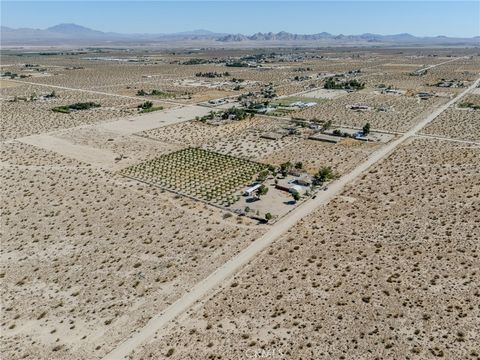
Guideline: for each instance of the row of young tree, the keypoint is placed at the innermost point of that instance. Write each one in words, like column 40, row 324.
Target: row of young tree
column 147, row 107
column 332, row 83
column 76, row 106
column 232, row 113
column 154, row 92
column 212, row 74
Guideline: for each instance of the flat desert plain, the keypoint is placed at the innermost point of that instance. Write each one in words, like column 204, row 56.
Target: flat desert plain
column 393, row 275
column 120, row 181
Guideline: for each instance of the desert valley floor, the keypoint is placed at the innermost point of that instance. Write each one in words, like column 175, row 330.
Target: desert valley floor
column 236, row 204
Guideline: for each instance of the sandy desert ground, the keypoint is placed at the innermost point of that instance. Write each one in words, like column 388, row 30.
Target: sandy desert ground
column 394, row 275
column 84, row 255
column 390, row 113
column 457, row 122
column 387, row 269
column 314, row 154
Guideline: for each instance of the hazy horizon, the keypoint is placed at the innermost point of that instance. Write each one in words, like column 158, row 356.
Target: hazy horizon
column 419, row 18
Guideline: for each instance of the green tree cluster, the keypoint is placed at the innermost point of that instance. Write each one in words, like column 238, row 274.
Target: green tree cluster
column 324, row 174
column 76, row 106
column 366, row 129
column 354, row 84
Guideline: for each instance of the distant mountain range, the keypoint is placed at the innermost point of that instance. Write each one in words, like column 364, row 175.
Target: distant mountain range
column 68, row 34
column 371, row 38
column 73, row 32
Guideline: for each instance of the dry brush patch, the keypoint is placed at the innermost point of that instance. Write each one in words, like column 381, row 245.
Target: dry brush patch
column 195, row 133
column 398, row 75
column 391, row 113
column 130, row 148
column 387, row 269
column 248, row 143
column 456, row 123
column 314, row 154
column 87, row 256
column 23, row 118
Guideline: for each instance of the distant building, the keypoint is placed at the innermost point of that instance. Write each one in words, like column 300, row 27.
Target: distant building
column 324, row 137
column 272, row 136
column 217, row 101
column 425, row 95
column 304, row 180
column 357, row 107
column 249, row 191
column 360, row 136
column 393, row 91
column 296, row 188
column 295, row 172
column 292, row 187
column 283, row 187
column 302, row 105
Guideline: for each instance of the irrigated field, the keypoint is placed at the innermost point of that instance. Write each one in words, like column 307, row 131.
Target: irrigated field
column 198, row 173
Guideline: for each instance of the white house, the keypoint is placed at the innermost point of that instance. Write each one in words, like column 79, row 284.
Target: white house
column 249, row 191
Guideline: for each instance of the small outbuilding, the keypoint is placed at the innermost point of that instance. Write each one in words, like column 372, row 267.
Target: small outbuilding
column 272, row 136
column 296, row 189
column 304, row 180
column 249, row 191
column 325, row 137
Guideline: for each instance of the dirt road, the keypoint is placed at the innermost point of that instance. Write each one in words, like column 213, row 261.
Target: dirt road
column 220, row 277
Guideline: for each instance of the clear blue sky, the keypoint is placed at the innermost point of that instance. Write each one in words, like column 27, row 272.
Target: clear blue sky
column 424, row 18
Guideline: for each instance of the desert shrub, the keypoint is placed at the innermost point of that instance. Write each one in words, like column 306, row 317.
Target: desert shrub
column 76, row 106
